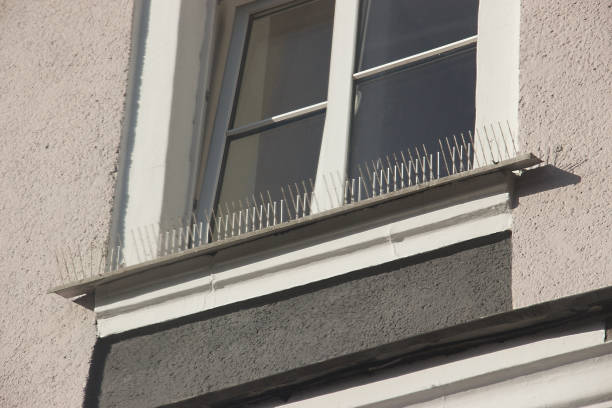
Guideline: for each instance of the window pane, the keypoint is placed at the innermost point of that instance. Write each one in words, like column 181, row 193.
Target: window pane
column 287, row 61
column 413, row 107
column 394, row 29
column 271, row 159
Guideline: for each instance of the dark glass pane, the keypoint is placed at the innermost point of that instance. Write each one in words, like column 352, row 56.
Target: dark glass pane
column 273, row 158
column 287, row 61
column 394, row 29
column 413, row 107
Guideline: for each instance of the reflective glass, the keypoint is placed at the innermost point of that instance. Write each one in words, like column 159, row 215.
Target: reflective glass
column 287, row 61
column 394, row 29
column 271, row 159
column 413, row 107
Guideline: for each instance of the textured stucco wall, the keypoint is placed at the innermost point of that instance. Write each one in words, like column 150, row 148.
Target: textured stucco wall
column 562, row 234
column 62, row 81
column 211, row 352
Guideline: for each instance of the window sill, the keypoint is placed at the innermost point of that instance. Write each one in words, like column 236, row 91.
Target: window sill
column 347, row 238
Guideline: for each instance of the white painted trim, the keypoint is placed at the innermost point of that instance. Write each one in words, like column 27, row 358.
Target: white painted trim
column 152, row 106
column 497, row 75
column 168, row 75
column 333, row 156
column 554, row 370
column 221, row 283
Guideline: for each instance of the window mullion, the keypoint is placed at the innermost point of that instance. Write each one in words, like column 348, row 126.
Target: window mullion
column 331, row 170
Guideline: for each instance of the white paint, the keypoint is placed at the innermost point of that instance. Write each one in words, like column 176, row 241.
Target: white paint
column 165, row 104
column 221, row 283
column 335, row 142
column 548, row 370
column 497, row 73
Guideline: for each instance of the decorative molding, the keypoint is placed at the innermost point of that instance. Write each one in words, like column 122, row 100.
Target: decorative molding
column 215, row 282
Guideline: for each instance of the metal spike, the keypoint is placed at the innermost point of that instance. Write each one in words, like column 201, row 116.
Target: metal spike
column 503, row 140
column 488, row 144
column 79, row 252
column 327, row 188
column 420, row 162
column 285, row 201
column 346, row 192
column 388, row 179
column 226, row 227
column 307, row 194
column 59, row 268
column 469, row 154
column 292, row 198
column 444, row 157
column 482, row 146
column 496, row 141
column 465, row 149
column 153, row 245
column 274, row 213
column 63, row 255
column 362, row 180
column 102, row 256
column 135, row 245
column 512, row 138
column 167, row 248
column 414, row 166
column 475, row 153
column 120, row 254
column 337, row 185
column 409, row 174
column 253, row 217
column 297, row 199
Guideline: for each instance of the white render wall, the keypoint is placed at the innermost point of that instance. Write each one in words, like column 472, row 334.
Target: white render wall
column 562, row 235
column 62, row 83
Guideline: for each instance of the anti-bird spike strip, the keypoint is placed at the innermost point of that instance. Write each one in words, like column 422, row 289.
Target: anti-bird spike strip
column 386, row 174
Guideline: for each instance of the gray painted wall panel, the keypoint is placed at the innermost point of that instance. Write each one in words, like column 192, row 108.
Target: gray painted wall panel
column 213, row 351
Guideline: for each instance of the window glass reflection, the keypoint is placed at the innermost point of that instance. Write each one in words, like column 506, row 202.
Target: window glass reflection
column 271, row 159
column 413, row 107
column 287, row 61
column 394, row 29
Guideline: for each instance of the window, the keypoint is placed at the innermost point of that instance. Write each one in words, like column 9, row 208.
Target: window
column 283, row 76
column 407, row 95
column 314, row 89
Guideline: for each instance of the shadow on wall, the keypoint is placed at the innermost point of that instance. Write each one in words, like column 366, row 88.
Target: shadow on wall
column 547, row 177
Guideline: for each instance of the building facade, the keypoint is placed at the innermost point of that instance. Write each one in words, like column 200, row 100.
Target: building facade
column 442, row 237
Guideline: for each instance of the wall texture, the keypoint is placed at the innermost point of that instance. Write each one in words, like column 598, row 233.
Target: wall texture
column 287, row 331
column 562, row 234
column 63, row 71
